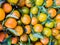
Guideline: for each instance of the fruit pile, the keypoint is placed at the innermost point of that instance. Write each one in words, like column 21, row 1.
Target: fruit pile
column 29, row 22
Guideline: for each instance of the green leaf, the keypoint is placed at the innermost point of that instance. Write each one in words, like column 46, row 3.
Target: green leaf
column 9, row 42
column 13, row 31
column 29, row 41
column 11, row 15
column 31, row 15
column 38, row 35
column 7, row 38
column 21, row 43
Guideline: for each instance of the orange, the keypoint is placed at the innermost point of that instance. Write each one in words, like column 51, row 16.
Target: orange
column 2, row 36
column 38, row 28
column 49, row 3
column 6, row 35
column 28, row 3
column 24, row 38
column 52, row 12
column 28, row 29
column 2, row 14
column 7, row 7
column 11, row 23
column 34, row 21
column 55, row 31
column 14, row 40
column 26, row 19
column 38, row 43
column 19, row 30
column 58, row 2
column 45, row 40
column 58, row 26
column 58, row 18
column 1, row 27
column 58, row 37
column 16, row 13
column 21, row 3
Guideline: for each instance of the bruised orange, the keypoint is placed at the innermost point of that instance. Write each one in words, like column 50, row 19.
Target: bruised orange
column 11, row 23
column 28, row 29
column 7, row 7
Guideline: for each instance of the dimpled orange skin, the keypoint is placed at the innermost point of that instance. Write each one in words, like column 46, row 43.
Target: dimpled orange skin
column 34, row 21
column 7, row 7
column 38, row 28
column 55, row 31
column 16, row 13
column 28, row 29
column 11, row 23
column 24, row 38
column 14, row 40
column 38, row 43
column 49, row 3
column 2, row 14
column 52, row 12
column 26, row 19
column 19, row 30
column 58, row 18
column 45, row 40
column 58, row 2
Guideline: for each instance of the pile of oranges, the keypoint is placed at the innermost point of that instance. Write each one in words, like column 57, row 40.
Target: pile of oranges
column 30, row 22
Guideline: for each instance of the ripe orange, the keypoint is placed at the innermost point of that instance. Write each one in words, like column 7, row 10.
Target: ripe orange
column 11, row 23
column 34, row 21
column 7, row 7
column 19, row 30
column 14, row 40
column 26, row 19
column 49, row 3
column 52, row 12
column 2, row 14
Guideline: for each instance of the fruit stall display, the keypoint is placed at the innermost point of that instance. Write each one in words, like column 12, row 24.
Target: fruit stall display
column 29, row 22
